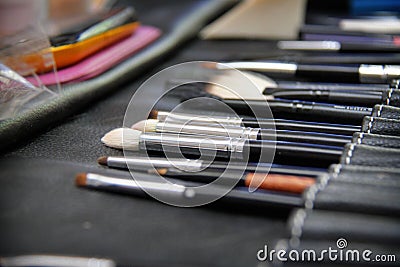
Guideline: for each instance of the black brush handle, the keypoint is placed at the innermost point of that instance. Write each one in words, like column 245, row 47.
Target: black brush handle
column 302, row 110
column 296, row 86
column 357, row 154
column 304, row 137
column 382, row 126
column 359, row 198
column 332, row 225
column 296, row 153
column 359, row 98
column 304, row 126
column 377, row 140
column 329, row 72
column 386, row 112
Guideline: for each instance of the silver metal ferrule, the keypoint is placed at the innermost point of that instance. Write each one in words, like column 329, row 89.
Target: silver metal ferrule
column 214, row 143
column 97, row 180
column 144, row 163
column 210, row 130
column 392, row 72
column 271, row 67
column 378, row 73
column 309, row 45
column 164, row 116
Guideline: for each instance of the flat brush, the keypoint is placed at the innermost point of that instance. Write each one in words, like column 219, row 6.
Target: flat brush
column 279, row 124
column 220, row 147
column 350, row 73
column 241, row 132
column 138, row 163
column 273, row 182
column 182, row 194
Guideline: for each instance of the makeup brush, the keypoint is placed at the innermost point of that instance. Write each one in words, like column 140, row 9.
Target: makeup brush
column 140, row 163
column 221, row 147
column 282, row 108
column 273, row 182
column 280, row 124
column 181, row 194
column 336, row 46
column 269, row 89
column 241, row 132
column 363, row 73
column 302, row 110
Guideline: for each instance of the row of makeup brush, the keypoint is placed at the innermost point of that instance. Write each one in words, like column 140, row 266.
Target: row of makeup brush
column 283, row 153
column 304, row 144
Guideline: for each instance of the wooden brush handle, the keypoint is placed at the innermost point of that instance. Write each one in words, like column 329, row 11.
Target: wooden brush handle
column 278, row 182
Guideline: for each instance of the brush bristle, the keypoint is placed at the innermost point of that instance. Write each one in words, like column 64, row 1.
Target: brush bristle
column 102, row 160
column 146, row 126
column 153, row 114
column 122, row 138
column 80, row 179
column 239, row 86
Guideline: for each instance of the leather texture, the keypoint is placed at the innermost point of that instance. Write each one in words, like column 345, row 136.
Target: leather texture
column 381, row 126
column 366, row 155
column 376, row 140
column 392, row 98
column 385, row 111
column 318, row 225
column 359, row 198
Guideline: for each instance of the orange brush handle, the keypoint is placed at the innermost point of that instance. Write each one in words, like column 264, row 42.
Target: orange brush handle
column 70, row 54
column 279, row 182
column 66, row 55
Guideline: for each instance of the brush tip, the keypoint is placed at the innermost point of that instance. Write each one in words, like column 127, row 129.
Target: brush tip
column 80, row 179
column 209, row 65
column 122, row 138
column 146, row 125
column 162, row 171
column 153, row 114
column 102, row 160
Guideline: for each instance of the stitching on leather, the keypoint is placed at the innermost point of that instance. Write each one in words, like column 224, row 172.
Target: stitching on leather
column 389, row 96
column 298, row 223
column 349, row 154
column 337, row 170
column 360, row 137
column 371, row 120
column 380, row 110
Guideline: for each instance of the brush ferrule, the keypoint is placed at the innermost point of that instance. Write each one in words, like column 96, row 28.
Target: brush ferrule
column 196, row 119
column 212, row 130
column 271, row 67
column 378, row 73
column 202, row 143
column 309, row 45
column 97, row 180
column 144, row 163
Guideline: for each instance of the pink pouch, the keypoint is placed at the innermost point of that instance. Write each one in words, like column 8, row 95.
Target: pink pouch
column 103, row 60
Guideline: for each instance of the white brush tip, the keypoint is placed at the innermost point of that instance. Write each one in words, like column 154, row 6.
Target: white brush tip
column 122, row 138
column 146, row 125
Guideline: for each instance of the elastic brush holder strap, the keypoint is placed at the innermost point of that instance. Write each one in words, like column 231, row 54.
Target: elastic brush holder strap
column 386, row 112
column 377, row 140
column 382, row 126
